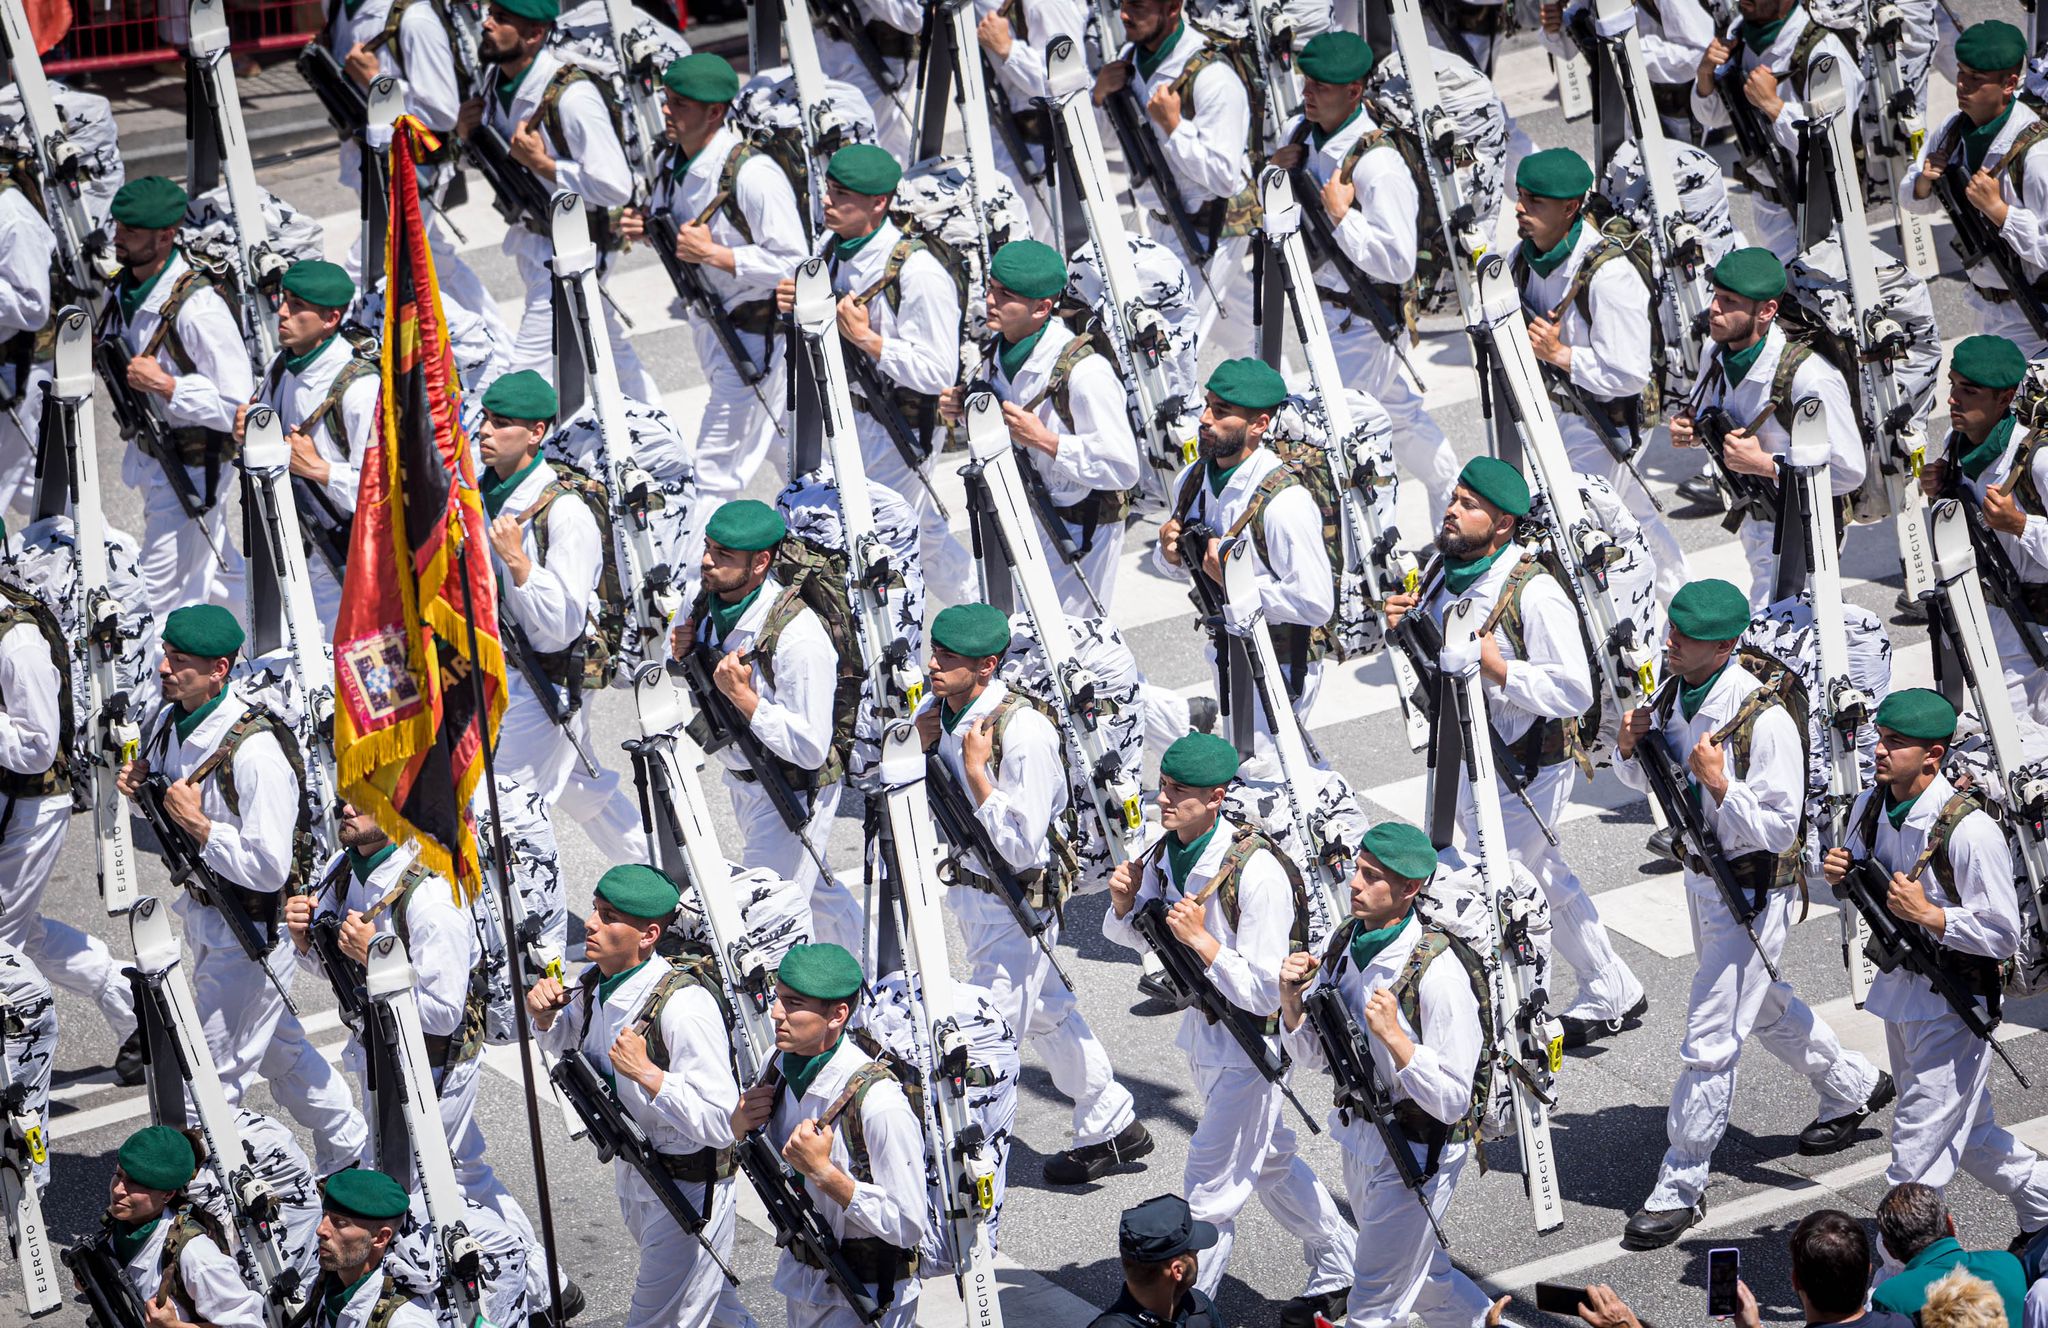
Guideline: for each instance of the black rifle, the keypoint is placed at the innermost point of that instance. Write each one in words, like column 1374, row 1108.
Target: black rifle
column 1323, row 250
column 1421, row 638
column 2002, row 582
column 140, row 425
column 110, row 1302
column 1689, row 828
column 798, row 1224
column 699, row 299
column 1148, row 162
column 1756, row 150
column 719, row 725
column 956, row 820
column 517, row 193
column 1186, row 973
column 843, row 20
column 1896, row 944
column 347, row 106
column 326, row 527
column 1750, row 496
column 181, row 856
column 878, row 396
column 1976, row 240
column 618, row 1136
column 1358, row 1088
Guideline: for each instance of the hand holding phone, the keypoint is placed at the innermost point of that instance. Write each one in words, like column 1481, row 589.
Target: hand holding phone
column 1724, row 1270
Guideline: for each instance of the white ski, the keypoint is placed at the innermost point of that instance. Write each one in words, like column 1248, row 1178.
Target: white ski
column 217, row 148
column 59, row 163
column 1441, row 147
column 1265, row 20
column 953, row 66
column 640, row 55
column 1574, row 85
column 23, row 1147
column 1901, row 132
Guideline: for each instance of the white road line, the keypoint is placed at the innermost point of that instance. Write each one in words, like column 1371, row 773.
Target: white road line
column 134, row 1105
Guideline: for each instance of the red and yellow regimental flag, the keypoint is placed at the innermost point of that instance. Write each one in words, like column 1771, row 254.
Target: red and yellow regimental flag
column 418, row 628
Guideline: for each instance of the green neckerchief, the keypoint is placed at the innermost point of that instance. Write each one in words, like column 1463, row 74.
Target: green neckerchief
column 1461, row 577
column 1692, row 698
column 1979, row 458
column 1543, row 262
column 294, row 363
column 799, row 1071
column 1181, row 858
column 1219, row 475
column 508, row 85
column 950, row 718
column 1759, row 38
column 606, row 986
column 683, row 160
column 1896, row 812
column 189, row 720
column 1735, row 364
column 1977, row 142
column 1318, row 137
column 1149, row 64
column 497, row 492
column 333, row 1302
column 132, row 293
column 1013, row 356
column 843, row 248
column 128, row 1244
column 725, row 617
column 364, row 867
column 352, row 7
column 1366, row 945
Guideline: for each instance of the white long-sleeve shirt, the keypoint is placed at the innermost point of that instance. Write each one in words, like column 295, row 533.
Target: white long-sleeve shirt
column 1378, row 234
column 295, row 395
column 1550, row 678
column 2026, row 224
column 1294, row 579
column 1611, row 353
column 1815, row 378
column 1022, row 73
column 1674, row 38
column 794, row 718
column 30, row 688
column 27, row 245
column 253, row 850
column 1712, row 112
column 557, row 603
column 591, row 164
column 420, row 59
column 441, row 942
column 219, row 1295
column 222, row 378
column 2028, row 549
column 920, row 331
column 1097, row 451
column 1030, row 788
column 1208, row 153
column 761, row 193
column 1246, row 969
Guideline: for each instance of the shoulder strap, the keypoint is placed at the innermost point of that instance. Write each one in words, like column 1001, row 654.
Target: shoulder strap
column 328, row 412
column 892, row 270
column 1190, row 490
column 166, row 332
column 1280, row 477
column 1780, row 402
column 1075, row 351
column 2014, row 163
column 1183, row 85
column 1959, row 805
column 1508, row 607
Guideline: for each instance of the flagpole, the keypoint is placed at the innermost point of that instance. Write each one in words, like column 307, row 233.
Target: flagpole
column 501, row 857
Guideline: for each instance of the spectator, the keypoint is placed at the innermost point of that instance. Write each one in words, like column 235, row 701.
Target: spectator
column 1919, row 1232
column 1961, row 1300
column 1160, row 1242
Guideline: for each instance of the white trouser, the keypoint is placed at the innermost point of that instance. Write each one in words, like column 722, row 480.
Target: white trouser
column 678, row 1285
column 895, row 131
column 2006, row 320
column 178, row 562
column 536, row 753
column 948, row 567
column 1775, row 230
column 1732, row 997
column 2026, row 683
column 1366, row 361
column 1589, row 456
column 476, row 330
column 250, row 1032
column 1224, row 298
column 457, row 1086
column 1241, row 1147
column 79, row 963
column 1096, row 569
column 533, row 343
column 1943, row 1119
column 1034, row 200
column 18, row 429
column 737, row 427
column 1398, row 1268
column 836, row 915
column 1042, row 1010
column 1758, row 539
column 1607, row 986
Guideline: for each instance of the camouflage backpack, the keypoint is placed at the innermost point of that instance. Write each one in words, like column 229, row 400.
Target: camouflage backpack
column 1247, row 840
column 604, row 222
column 1432, row 259
column 19, row 608
column 1240, row 214
column 602, row 644
column 1105, row 507
column 1063, row 864
column 1549, row 741
column 1621, row 238
column 814, row 577
column 883, row 1065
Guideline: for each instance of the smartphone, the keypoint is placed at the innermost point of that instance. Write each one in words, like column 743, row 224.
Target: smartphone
column 1557, row 1298
column 1724, row 1269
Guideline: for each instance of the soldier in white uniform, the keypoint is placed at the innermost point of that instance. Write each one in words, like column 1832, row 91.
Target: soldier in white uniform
column 1672, row 34
column 548, row 548
column 786, row 690
column 842, row 1123
column 892, row 27
column 1756, row 377
column 1236, row 904
column 27, row 248
column 1013, row 35
column 38, row 719
column 1745, row 763
column 235, row 791
column 737, row 222
column 325, row 396
column 1773, row 46
column 1589, row 329
column 1421, row 1021
column 1233, row 490
column 193, row 370
column 1198, row 111
column 2003, row 144
column 558, row 125
column 900, row 309
column 658, row 1034
column 1005, row 757
column 1538, row 683
column 1064, row 406
column 1951, row 876
column 1372, row 202
column 362, row 1212
column 168, row 1248
column 31, row 1043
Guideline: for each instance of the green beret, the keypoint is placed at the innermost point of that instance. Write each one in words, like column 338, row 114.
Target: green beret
column 1991, row 362
column 746, row 525
column 1199, row 760
column 322, row 283
column 1754, row 274
column 825, row 972
column 639, row 891
column 1916, row 712
column 1030, row 268
column 1402, row 850
column 1710, row 611
column 1335, row 56
column 1251, row 384
column 361, row 1192
column 522, row 396
column 701, row 76
column 1554, row 173
column 152, row 203
column 158, row 1157
column 540, row 11
column 865, row 169
column 206, row 630
column 1498, row 483
column 974, row 630
column 1991, row 47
